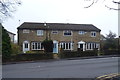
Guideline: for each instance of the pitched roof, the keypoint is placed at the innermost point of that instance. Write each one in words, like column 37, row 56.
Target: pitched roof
column 58, row 26
column 11, row 33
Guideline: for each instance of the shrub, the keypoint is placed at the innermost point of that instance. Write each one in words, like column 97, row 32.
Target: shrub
column 30, row 57
column 6, row 45
column 70, row 54
column 88, row 53
column 110, row 52
column 48, row 45
column 15, row 48
column 30, row 52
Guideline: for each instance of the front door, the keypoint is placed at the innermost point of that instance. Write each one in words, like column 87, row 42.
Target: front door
column 25, row 46
column 55, row 47
column 81, row 47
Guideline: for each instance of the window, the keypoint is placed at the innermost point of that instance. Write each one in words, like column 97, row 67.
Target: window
column 66, row 46
column 92, row 45
column 26, row 45
column 39, row 32
column 81, row 32
column 67, row 33
column 54, row 32
column 26, row 31
column 36, row 46
column 93, row 34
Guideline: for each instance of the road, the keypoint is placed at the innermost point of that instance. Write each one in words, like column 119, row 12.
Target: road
column 80, row 68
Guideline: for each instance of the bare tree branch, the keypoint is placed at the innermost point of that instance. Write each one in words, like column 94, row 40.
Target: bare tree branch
column 111, row 8
column 116, row 2
column 90, row 4
column 7, row 7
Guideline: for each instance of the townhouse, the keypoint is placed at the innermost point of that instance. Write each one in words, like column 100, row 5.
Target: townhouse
column 64, row 35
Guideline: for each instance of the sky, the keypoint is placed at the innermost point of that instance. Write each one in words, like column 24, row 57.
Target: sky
column 64, row 11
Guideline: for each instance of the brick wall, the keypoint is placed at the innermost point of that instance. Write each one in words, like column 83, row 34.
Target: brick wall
column 32, row 36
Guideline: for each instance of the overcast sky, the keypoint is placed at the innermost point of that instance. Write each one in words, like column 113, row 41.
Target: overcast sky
column 64, row 11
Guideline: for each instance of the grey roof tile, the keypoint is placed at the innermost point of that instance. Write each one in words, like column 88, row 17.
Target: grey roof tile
column 58, row 26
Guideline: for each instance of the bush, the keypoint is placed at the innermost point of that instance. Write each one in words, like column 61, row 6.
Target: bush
column 30, row 57
column 70, row 54
column 48, row 45
column 88, row 53
column 110, row 52
column 30, row 52
column 6, row 45
column 15, row 49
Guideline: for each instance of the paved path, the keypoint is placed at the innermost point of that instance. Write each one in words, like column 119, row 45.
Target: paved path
column 81, row 68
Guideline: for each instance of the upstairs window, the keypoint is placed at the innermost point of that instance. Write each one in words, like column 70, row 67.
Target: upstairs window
column 55, row 32
column 93, row 34
column 81, row 32
column 26, row 30
column 67, row 33
column 40, row 32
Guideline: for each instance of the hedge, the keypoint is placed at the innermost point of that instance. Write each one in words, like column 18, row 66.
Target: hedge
column 70, row 54
column 30, row 57
column 111, row 52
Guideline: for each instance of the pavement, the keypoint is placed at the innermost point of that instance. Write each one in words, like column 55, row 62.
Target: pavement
column 74, row 58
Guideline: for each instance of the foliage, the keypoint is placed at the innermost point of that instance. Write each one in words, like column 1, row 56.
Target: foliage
column 48, row 45
column 31, row 57
column 111, row 42
column 6, row 45
column 111, row 52
column 15, row 48
column 113, row 2
column 7, row 7
column 111, row 35
column 70, row 54
column 30, row 52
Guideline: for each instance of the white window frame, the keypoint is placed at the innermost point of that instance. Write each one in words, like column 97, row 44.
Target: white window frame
column 26, row 31
column 93, row 34
column 54, row 32
column 66, row 31
column 68, row 45
column 40, row 32
column 36, row 46
column 81, row 32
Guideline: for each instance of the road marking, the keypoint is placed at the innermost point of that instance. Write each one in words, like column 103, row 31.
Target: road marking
column 108, row 76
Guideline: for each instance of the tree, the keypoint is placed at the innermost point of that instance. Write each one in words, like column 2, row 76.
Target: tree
column 15, row 48
column 7, row 7
column 48, row 45
column 115, row 2
column 111, row 42
column 6, row 45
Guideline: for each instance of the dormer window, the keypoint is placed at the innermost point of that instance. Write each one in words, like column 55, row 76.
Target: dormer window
column 26, row 30
column 67, row 33
column 93, row 34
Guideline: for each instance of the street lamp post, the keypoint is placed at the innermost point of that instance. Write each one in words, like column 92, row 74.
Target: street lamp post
column 45, row 25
